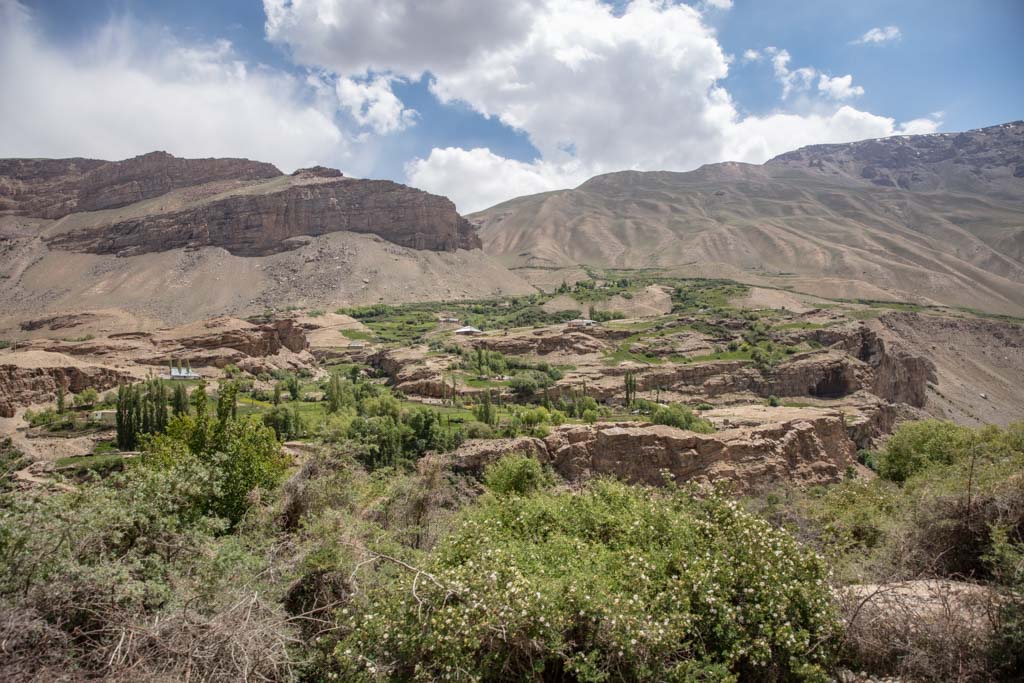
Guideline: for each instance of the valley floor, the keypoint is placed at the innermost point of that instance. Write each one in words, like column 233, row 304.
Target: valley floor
column 630, row 476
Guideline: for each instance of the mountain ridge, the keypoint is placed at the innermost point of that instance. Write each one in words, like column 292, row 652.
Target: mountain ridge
column 161, row 239
column 939, row 220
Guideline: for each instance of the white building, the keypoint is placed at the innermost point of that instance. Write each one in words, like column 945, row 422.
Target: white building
column 468, row 329
column 582, row 322
column 104, row 417
column 184, row 373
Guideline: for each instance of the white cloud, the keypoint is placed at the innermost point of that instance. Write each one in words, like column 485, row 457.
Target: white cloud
column 752, row 56
column 923, row 126
column 408, row 36
column 595, row 88
column 793, row 80
column 719, row 4
column 878, row 35
column 134, row 90
column 477, row 178
column 756, row 139
column 372, row 104
column 839, row 87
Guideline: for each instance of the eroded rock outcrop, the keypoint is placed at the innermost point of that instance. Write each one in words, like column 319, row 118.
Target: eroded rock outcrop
column 54, row 188
column 31, row 377
column 224, row 340
column 259, row 223
column 897, row 374
column 543, row 342
column 802, row 445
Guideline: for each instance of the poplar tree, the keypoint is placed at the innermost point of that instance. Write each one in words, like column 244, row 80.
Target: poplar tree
column 179, row 400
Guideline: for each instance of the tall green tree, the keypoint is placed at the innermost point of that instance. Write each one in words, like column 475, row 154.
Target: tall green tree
column 179, row 399
column 485, row 412
column 630, row 388
column 141, row 409
column 292, row 383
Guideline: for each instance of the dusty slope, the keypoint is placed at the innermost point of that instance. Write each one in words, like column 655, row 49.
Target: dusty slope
column 180, row 285
column 979, row 364
column 936, row 219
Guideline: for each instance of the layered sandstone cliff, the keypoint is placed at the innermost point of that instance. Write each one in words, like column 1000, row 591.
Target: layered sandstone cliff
column 54, row 188
column 802, row 445
column 246, row 207
column 263, row 223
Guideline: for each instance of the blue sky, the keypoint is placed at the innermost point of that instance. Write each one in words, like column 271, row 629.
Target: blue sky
column 485, row 100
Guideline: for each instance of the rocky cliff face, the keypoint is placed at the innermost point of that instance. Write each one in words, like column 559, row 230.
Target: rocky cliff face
column 801, row 445
column 33, row 377
column 54, row 188
column 234, row 206
column 987, row 160
column 259, row 224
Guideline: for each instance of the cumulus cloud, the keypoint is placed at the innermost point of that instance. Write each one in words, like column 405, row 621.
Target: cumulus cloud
column 756, row 139
column 923, row 126
column 595, row 88
column 882, row 34
column 477, row 178
column 839, row 87
column 752, row 55
column 792, row 80
column 134, row 90
column 406, row 37
column 372, row 104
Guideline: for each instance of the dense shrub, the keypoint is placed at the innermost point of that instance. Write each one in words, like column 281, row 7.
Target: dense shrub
column 676, row 415
column 86, row 398
column 957, row 520
column 917, row 444
column 612, row 583
column 129, row 579
column 516, row 474
column 286, row 422
column 523, row 386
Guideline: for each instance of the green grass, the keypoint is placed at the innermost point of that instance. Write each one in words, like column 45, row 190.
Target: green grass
column 478, row 383
column 99, row 462
column 623, row 353
column 360, row 335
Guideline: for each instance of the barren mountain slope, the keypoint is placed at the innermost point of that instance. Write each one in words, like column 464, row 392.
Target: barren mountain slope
column 935, row 219
column 168, row 240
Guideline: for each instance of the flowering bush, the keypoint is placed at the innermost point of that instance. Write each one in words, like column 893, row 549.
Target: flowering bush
column 611, row 583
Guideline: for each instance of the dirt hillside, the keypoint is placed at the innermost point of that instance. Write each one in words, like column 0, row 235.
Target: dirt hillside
column 930, row 219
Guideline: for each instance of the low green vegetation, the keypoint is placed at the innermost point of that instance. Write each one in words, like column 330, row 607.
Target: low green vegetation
column 357, row 335
column 370, row 553
column 948, row 504
column 681, row 417
column 356, row 565
column 610, row 583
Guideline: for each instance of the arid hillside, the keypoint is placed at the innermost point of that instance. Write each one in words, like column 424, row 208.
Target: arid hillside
column 931, row 219
column 167, row 240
